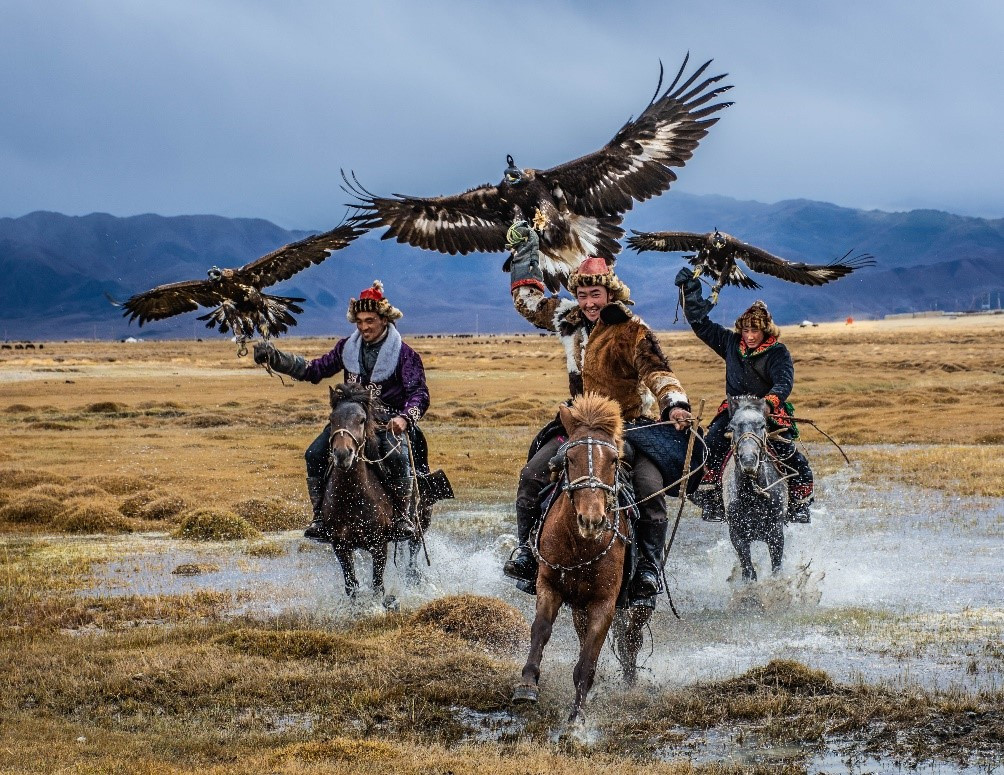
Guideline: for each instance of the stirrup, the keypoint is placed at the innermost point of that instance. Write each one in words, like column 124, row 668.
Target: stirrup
column 317, row 531
column 522, row 566
column 645, row 584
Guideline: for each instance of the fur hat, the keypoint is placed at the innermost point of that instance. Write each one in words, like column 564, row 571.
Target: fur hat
column 372, row 300
column 758, row 317
column 594, row 271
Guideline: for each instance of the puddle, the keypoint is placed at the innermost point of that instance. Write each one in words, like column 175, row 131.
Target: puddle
column 489, row 726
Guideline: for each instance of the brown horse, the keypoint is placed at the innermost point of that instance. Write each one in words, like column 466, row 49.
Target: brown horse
column 581, row 548
column 357, row 508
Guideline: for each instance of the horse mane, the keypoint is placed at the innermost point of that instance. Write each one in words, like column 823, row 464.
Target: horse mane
column 592, row 410
column 748, row 402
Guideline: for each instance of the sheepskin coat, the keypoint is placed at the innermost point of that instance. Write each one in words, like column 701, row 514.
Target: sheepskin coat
column 618, row 356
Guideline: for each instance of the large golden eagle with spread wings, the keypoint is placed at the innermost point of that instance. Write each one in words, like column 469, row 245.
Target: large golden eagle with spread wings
column 236, row 296
column 576, row 207
column 717, row 254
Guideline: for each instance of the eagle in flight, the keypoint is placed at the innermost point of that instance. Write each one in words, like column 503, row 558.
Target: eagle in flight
column 575, row 207
column 717, row 254
column 236, row 295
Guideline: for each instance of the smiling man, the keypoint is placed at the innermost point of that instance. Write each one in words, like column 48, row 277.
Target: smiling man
column 376, row 357
column 611, row 351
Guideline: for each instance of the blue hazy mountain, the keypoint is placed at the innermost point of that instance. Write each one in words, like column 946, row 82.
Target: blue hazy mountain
column 56, row 269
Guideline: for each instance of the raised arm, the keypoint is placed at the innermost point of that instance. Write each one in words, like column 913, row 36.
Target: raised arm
column 696, row 309
column 526, row 281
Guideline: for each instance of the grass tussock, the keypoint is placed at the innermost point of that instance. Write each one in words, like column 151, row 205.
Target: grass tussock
column 270, row 514
column 105, row 407
column 266, row 550
column 31, row 509
column 13, row 478
column 195, row 568
column 163, row 508
column 209, row 524
column 970, row 470
column 19, row 409
column 205, row 420
column 118, row 484
column 129, row 610
column 133, row 504
column 94, row 516
column 486, row 621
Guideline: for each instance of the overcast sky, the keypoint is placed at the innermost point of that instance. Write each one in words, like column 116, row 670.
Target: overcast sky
column 244, row 108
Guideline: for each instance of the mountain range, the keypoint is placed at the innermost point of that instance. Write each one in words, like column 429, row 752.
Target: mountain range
column 57, row 269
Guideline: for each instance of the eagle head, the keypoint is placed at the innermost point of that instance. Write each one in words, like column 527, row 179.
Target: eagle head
column 215, row 274
column 718, row 241
column 513, row 175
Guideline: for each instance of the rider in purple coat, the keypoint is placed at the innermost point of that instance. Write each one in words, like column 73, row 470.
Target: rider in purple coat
column 376, row 357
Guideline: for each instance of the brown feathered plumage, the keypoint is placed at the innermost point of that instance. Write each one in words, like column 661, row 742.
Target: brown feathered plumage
column 236, row 294
column 717, row 253
column 576, row 207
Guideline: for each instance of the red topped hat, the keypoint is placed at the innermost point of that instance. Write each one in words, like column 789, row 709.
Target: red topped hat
column 372, row 300
column 595, row 271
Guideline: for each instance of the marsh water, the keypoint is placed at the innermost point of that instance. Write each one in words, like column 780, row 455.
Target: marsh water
column 899, row 586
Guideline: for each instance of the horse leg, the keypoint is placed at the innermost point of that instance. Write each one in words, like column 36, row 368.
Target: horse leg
column 548, row 605
column 775, row 545
column 742, row 547
column 411, row 574
column 349, row 571
column 628, row 627
column 379, row 554
column 599, row 615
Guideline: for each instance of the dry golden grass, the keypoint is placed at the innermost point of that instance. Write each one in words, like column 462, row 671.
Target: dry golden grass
column 175, row 684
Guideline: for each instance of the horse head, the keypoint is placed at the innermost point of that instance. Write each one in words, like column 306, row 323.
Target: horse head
column 594, row 427
column 749, row 431
column 350, row 423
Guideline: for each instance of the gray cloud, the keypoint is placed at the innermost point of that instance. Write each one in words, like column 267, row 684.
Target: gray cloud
column 250, row 109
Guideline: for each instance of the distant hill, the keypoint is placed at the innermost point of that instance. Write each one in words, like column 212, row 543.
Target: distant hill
column 56, row 268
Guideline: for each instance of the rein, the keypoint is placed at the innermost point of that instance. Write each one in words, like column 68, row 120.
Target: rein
column 762, row 451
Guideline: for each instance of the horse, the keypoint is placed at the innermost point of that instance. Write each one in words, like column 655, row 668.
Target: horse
column 754, row 490
column 357, row 507
column 581, row 545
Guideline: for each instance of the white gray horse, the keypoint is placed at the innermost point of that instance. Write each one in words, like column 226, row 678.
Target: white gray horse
column 754, row 489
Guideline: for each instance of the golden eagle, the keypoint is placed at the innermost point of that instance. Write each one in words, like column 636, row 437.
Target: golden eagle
column 240, row 305
column 716, row 254
column 576, row 207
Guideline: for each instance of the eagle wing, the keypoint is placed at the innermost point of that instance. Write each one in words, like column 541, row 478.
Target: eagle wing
column 166, row 301
column 760, row 260
column 668, row 241
column 474, row 221
column 283, row 263
column 636, row 164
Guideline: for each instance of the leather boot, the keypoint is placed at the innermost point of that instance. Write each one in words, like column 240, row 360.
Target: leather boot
column 798, row 511
column 710, row 501
column 523, row 565
column 403, row 528
column 316, row 530
column 650, row 543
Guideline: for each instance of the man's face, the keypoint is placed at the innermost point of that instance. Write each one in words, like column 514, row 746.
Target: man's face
column 592, row 299
column 370, row 326
column 752, row 337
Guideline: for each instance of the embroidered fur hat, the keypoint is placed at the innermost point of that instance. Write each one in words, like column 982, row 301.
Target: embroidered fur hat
column 372, row 300
column 758, row 317
column 594, row 271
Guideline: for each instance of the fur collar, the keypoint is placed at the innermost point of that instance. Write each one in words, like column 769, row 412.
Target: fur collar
column 386, row 363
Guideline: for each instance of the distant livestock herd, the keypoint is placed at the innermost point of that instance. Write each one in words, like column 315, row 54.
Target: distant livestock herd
column 21, row 346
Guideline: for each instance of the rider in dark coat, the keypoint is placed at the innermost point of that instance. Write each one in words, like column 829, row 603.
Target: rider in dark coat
column 611, row 351
column 756, row 364
column 376, row 357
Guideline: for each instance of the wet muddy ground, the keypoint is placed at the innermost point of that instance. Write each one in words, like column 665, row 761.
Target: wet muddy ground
column 899, row 587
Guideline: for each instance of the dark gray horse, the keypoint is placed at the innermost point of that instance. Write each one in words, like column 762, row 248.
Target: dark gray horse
column 754, row 490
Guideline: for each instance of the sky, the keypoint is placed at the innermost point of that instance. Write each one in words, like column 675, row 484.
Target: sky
column 247, row 108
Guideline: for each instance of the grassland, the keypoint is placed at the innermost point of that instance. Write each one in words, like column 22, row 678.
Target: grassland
column 110, row 438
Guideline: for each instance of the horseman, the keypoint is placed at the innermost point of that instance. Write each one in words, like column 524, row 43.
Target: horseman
column 609, row 350
column 756, row 364
column 376, row 357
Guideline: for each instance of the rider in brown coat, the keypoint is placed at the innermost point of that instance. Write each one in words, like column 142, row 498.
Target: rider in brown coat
column 611, row 351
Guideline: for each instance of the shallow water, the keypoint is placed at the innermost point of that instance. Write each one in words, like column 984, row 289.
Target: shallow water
column 900, row 587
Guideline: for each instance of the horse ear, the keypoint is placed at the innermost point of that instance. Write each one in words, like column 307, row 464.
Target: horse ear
column 332, row 395
column 565, row 414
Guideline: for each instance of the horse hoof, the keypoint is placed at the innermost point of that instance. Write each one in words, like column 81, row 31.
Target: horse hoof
column 390, row 603
column 525, row 693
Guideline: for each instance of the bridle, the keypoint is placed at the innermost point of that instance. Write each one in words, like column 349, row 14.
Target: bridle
column 761, row 443
column 593, row 482
column 358, row 445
